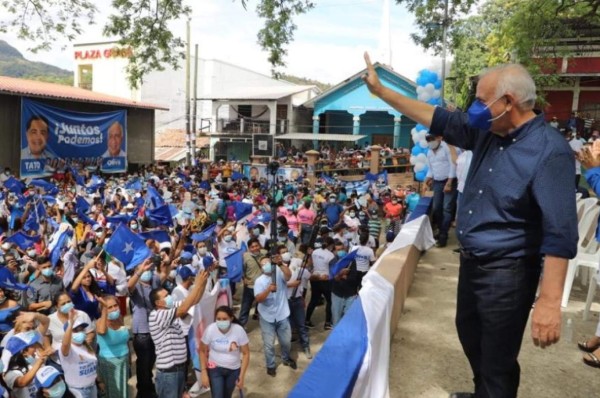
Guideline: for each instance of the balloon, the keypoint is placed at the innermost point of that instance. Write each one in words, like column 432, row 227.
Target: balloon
column 413, row 160
column 437, row 84
column 434, row 101
column 420, row 127
column 422, row 157
column 429, row 88
column 424, row 97
column 436, row 94
column 412, row 200
column 419, row 167
column 419, row 89
column 421, row 175
column 416, row 150
column 422, row 135
column 423, row 144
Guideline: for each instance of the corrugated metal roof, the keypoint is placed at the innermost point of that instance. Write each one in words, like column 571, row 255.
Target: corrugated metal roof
column 33, row 88
column 259, row 93
column 320, row 137
column 169, row 154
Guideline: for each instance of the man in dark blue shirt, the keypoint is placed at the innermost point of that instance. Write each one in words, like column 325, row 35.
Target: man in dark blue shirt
column 518, row 207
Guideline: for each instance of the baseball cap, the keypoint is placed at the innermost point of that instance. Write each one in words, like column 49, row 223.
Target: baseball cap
column 185, row 272
column 45, row 376
column 78, row 322
column 186, row 255
column 20, row 341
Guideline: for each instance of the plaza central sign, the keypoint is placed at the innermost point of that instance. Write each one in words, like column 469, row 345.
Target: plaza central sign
column 115, row 52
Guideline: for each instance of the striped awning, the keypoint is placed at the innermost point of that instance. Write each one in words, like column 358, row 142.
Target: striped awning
column 320, row 137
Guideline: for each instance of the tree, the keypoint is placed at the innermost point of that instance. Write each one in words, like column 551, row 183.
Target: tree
column 140, row 24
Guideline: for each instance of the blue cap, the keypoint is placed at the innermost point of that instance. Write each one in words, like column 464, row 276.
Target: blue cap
column 207, row 261
column 20, row 341
column 45, row 377
column 186, row 255
column 185, row 272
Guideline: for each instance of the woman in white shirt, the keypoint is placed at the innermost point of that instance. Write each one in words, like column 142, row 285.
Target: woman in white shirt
column 222, row 345
column 27, row 357
column 78, row 359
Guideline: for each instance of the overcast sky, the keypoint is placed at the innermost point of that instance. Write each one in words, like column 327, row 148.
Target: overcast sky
column 328, row 46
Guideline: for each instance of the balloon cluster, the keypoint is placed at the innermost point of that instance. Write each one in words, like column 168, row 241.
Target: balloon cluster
column 429, row 85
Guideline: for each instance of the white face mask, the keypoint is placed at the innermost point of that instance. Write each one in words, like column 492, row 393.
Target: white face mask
column 202, row 251
column 286, row 257
column 434, row 144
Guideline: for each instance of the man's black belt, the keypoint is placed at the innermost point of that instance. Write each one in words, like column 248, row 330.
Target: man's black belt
column 174, row 368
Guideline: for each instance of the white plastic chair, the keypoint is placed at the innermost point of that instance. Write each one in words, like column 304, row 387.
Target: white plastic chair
column 590, row 296
column 584, row 205
column 588, row 251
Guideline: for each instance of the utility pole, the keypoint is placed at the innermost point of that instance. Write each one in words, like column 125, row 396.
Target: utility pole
column 187, row 97
column 444, row 39
column 195, row 111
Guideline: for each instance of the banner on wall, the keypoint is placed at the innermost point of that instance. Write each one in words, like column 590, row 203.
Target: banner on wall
column 256, row 171
column 53, row 138
column 290, row 173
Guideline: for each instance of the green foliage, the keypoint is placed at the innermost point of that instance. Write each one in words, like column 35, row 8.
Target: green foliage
column 279, row 27
column 142, row 24
column 13, row 64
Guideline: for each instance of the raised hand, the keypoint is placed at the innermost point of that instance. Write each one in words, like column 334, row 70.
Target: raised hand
column 370, row 78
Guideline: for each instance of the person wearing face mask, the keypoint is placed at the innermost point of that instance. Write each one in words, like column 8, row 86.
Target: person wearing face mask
column 295, row 294
column 44, row 289
column 274, row 313
column 63, row 305
column 333, row 211
column 225, row 353
column 252, row 270
column 51, row 384
column 27, row 357
column 306, row 218
column 283, row 240
column 227, row 243
column 344, row 286
column 441, row 177
column 140, row 284
column 168, row 337
column 521, row 177
column 202, row 252
column 374, row 226
column 78, row 359
column 113, row 353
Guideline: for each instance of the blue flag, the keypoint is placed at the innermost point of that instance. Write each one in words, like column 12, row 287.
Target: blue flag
column 81, row 204
column 241, row 209
column 328, row 180
column 79, row 180
column 342, row 263
column 120, row 218
column 84, row 217
column 46, row 186
column 50, row 199
column 159, row 235
column 235, row 263
column 32, row 223
column 205, row 185
column 23, row 240
column 127, row 247
column 8, row 281
column 263, row 217
column 207, row 233
column 15, row 214
column 40, row 210
column 236, row 176
column 161, row 215
column 134, row 185
column 14, row 185
column 56, row 246
column 155, row 198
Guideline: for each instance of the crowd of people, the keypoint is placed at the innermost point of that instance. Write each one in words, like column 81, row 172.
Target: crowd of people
column 74, row 315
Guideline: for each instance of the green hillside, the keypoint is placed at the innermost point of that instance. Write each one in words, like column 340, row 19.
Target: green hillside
column 13, row 64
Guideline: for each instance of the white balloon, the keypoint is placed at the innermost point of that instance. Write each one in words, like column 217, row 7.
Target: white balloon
column 423, row 144
column 413, row 160
column 421, row 97
column 430, row 88
column 421, row 158
column 422, row 135
column 419, row 89
column 419, row 167
column 426, row 96
column 436, row 94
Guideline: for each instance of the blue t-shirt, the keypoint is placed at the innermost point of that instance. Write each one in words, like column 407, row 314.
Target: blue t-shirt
column 275, row 308
column 332, row 212
column 113, row 344
column 82, row 302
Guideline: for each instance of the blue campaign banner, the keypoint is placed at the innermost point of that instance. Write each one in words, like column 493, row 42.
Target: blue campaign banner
column 54, row 138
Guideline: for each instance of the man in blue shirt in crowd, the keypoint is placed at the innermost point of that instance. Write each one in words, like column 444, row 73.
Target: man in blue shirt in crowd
column 332, row 210
column 517, row 209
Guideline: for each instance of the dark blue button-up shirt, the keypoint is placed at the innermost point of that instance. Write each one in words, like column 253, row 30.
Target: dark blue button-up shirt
column 519, row 196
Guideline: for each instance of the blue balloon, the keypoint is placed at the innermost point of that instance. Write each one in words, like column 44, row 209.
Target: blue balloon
column 421, row 78
column 416, row 150
column 420, row 176
column 434, row 101
column 420, row 127
column 438, row 84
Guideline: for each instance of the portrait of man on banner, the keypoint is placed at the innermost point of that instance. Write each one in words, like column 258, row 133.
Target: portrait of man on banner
column 115, row 142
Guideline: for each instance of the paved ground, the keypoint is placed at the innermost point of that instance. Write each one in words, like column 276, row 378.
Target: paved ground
column 427, row 359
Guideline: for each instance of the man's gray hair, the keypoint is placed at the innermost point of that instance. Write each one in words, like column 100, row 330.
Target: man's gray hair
column 516, row 80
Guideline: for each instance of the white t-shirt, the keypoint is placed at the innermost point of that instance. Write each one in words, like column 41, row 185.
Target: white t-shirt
column 576, row 145
column 79, row 367
column 220, row 345
column 321, row 259
column 305, row 277
column 57, row 331
column 225, row 249
column 364, row 257
column 29, row 391
column 179, row 294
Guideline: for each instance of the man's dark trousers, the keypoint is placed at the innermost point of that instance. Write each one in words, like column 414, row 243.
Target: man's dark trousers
column 493, row 305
